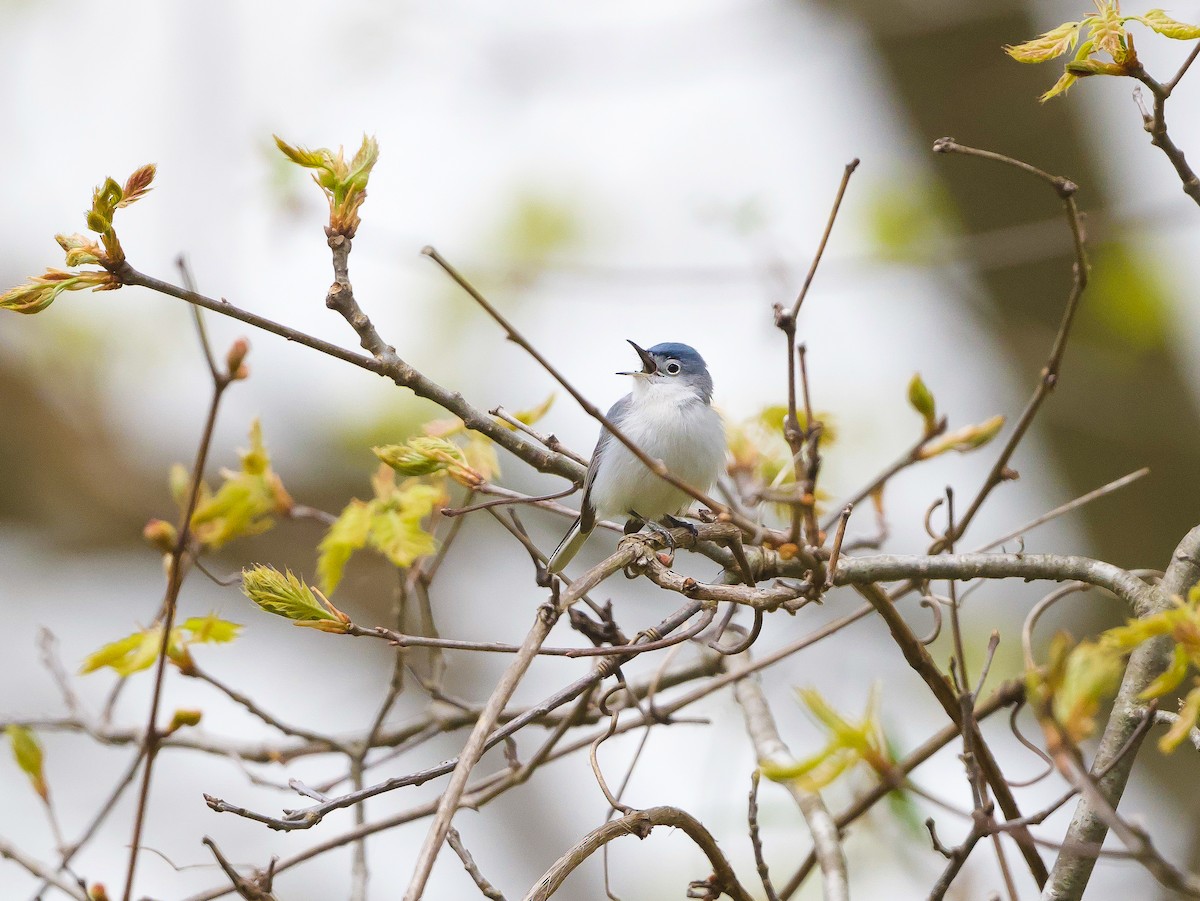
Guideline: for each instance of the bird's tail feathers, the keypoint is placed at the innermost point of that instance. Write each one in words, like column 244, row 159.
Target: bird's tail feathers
column 568, row 547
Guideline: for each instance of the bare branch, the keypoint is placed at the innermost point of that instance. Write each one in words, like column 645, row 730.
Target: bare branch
column 1065, row 188
column 641, row 823
column 454, row 840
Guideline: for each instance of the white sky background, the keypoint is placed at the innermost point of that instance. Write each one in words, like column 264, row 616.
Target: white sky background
column 654, row 122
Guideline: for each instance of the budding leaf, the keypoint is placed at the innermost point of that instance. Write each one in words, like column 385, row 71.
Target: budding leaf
column 28, row 754
column 968, row 438
column 42, row 290
column 920, row 398
column 1074, row 685
column 482, row 463
column 421, row 456
column 1094, row 67
column 849, row 744
column 285, row 595
column 137, row 185
column 1060, row 87
column 183, row 718
column 345, row 185
column 81, row 250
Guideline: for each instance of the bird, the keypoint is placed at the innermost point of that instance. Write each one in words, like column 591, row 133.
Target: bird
column 669, row 415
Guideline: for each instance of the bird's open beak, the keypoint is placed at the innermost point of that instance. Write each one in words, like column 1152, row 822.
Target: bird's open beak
column 649, row 366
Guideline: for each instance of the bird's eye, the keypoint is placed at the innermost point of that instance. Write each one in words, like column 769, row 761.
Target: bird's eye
column 673, row 368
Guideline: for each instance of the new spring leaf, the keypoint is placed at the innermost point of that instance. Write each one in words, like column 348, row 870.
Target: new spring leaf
column 28, row 754
column 344, row 184
column 285, row 595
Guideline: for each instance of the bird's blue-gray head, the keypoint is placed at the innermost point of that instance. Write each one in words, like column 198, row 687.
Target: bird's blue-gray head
column 679, row 364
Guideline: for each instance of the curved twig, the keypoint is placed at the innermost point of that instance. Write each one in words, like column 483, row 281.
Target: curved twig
column 641, row 823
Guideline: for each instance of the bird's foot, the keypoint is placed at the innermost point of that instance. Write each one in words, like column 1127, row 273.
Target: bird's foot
column 669, row 539
column 676, row 523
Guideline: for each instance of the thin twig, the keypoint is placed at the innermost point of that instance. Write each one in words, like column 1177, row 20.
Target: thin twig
column 640, row 823
column 454, row 840
column 1065, row 189
column 167, row 621
column 1095, row 494
column 400, row 372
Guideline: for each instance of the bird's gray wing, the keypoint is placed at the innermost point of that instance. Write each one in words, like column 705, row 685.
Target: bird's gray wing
column 616, row 413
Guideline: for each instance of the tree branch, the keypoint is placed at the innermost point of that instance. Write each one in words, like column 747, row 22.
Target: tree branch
column 641, row 823
column 769, row 747
column 1089, row 826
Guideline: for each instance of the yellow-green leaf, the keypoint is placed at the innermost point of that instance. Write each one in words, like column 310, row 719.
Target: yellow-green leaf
column 529, row 417
column 210, row 629
column 179, row 482
column 1060, row 87
column 1179, row 730
column 482, row 463
column 1090, row 678
column 127, row 655
column 240, row 508
column 396, row 530
column 183, row 718
column 1137, row 631
column 302, row 156
column 1169, row 679
column 255, row 461
column 1168, row 27
column 282, row 594
column 347, row 535
column 28, row 753
column 1052, row 43
column 362, row 164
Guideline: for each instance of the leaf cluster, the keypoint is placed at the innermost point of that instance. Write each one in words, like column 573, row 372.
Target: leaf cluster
column 246, row 503
column 1079, row 679
column 390, row 523
column 38, row 292
column 1105, row 33
column 344, row 184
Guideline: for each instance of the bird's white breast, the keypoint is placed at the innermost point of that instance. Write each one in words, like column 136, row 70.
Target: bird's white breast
column 670, row 423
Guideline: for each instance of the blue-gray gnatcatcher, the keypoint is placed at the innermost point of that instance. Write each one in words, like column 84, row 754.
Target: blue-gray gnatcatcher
column 669, row 415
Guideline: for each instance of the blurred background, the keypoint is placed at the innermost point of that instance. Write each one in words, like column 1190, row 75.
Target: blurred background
column 628, row 170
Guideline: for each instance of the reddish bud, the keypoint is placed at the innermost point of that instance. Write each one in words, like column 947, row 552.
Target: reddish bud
column 161, row 535
column 235, row 358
